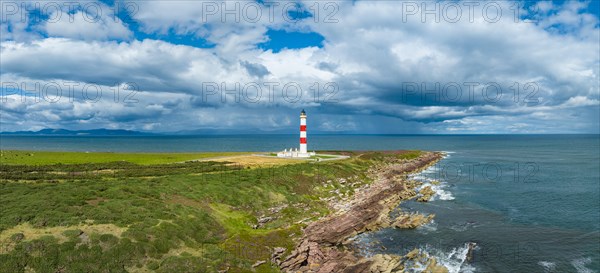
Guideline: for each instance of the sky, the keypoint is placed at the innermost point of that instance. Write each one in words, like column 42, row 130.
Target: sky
column 372, row 67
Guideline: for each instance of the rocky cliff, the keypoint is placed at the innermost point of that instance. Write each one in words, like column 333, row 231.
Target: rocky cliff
column 323, row 246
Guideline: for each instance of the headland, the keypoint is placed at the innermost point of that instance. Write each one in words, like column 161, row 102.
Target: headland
column 229, row 212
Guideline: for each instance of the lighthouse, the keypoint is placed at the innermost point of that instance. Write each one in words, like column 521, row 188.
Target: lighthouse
column 303, row 151
column 303, row 148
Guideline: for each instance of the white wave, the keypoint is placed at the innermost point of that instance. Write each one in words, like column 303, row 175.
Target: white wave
column 439, row 189
column 548, row 266
column 427, row 228
column 447, row 154
column 441, row 193
column 432, row 169
column 454, row 260
column 579, row 265
column 420, row 177
column 462, row 227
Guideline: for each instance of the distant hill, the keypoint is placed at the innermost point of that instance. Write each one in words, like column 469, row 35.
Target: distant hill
column 65, row 132
column 198, row 132
column 215, row 131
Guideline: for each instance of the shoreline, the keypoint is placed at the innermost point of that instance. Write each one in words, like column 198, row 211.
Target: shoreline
column 324, row 246
column 246, row 240
column 238, row 219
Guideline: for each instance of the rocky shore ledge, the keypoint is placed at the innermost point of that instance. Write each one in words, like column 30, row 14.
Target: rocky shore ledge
column 324, row 245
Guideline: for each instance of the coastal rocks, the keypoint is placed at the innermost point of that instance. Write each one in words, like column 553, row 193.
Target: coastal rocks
column 277, row 255
column 383, row 263
column 425, row 194
column 419, row 259
column 410, row 189
column 311, row 257
column 322, row 248
column 368, row 215
column 433, row 267
column 307, row 254
column 412, row 220
column 422, row 162
column 413, row 254
column 471, row 249
column 414, row 261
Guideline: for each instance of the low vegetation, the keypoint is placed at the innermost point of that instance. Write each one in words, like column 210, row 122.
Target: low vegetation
column 46, row 158
column 141, row 214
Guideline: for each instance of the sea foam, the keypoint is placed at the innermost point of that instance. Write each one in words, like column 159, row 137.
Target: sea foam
column 548, row 266
column 438, row 186
column 454, row 260
column 580, row 265
column 427, row 228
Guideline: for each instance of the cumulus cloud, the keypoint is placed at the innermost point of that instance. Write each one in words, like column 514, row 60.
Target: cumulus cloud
column 31, row 20
column 255, row 69
column 380, row 60
column 87, row 27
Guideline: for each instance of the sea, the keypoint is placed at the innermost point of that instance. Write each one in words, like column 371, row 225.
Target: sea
column 530, row 203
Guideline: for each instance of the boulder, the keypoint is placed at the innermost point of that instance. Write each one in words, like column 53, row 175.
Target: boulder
column 425, row 194
column 412, row 220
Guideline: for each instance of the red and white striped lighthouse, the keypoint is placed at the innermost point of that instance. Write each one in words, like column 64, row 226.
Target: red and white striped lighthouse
column 303, row 148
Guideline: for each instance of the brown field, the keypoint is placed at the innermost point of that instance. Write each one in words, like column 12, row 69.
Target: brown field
column 255, row 161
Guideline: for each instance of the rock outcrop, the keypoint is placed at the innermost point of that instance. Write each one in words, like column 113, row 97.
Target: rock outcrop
column 411, row 220
column 277, row 255
column 425, row 194
column 323, row 246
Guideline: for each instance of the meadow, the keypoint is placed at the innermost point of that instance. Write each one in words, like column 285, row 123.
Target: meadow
column 147, row 213
column 45, row 158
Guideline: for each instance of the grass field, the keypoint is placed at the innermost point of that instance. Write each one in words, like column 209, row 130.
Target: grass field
column 47, row 158
column 138, row 215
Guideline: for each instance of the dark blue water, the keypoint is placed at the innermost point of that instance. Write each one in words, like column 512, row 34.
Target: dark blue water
column 530, row 202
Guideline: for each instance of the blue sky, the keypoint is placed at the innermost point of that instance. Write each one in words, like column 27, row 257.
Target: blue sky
column 355, row 66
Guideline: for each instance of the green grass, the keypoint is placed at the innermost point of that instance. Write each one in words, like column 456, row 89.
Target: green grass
column 187, row 217
column 324, row 156
column 47, row 158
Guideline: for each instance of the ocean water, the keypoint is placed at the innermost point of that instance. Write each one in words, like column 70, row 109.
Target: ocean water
column 530, row 202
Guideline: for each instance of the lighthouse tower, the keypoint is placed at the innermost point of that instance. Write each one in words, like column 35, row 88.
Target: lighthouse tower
column 303, row 151
column 303, row 148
